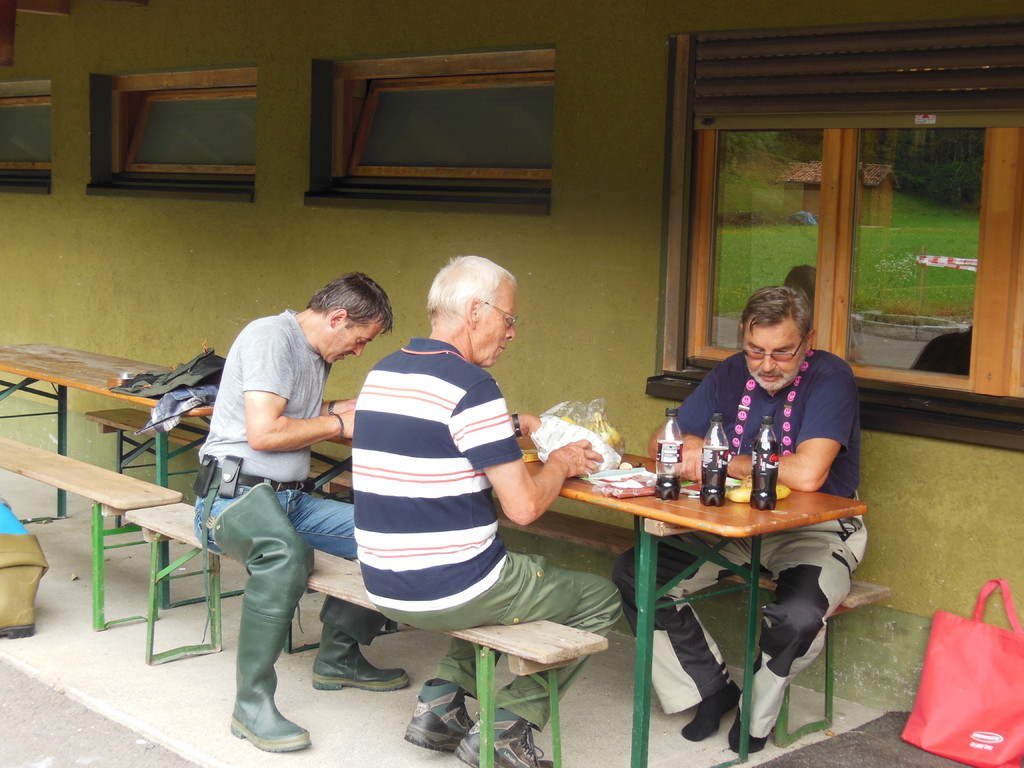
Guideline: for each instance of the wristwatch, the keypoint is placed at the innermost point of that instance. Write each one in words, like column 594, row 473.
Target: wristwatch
column 515, row 425
column 330, row 408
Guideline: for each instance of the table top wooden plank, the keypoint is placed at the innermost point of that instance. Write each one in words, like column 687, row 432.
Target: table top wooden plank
column 74, row 368
column 733, row 520
column 114, row 491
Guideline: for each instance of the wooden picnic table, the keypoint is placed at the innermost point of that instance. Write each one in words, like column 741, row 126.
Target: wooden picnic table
column 682, row 518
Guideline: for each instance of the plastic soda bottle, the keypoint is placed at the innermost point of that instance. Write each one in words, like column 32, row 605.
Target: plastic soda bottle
column 670, row 453
column 765, row 469
column 714, row 464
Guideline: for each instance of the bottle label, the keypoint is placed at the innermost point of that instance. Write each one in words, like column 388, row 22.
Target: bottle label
column 670, row 452
column 765, row 462
column 713, row 458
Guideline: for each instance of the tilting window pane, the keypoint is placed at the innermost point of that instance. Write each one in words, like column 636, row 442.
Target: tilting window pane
column 198, row 131
column 919, row 200
column 766, row 210
column 25, row 134
column 463, row 129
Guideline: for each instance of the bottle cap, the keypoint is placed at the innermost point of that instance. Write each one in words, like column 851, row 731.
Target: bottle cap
column 716, row 417
column 767, row 419
column 671, row 411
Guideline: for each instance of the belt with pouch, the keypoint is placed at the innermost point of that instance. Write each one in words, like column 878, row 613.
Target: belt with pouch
column 250, row 480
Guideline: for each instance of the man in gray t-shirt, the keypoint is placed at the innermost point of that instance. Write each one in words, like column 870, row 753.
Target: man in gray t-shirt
column 269, row 412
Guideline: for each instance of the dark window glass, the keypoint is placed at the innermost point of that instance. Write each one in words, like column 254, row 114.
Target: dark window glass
column 199, row 131
column 25, row 134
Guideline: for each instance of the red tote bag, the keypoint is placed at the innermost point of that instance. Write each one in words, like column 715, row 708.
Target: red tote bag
column 970, row 706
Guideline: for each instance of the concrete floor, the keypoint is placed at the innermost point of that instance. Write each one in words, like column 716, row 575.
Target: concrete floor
column 185, row 705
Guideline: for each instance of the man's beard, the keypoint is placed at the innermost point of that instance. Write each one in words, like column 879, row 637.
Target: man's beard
column 777, row 385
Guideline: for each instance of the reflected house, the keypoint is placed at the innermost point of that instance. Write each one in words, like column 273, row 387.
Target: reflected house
column 877, row 182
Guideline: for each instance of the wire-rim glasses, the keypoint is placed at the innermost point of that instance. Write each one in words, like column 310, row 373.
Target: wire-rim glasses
column 510, row 319
column 778, row 357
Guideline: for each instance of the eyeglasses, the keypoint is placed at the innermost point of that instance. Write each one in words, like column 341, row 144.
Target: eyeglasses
column 778, row 357
column 510, row 319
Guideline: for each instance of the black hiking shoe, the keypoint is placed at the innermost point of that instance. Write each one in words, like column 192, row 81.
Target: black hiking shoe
column 440, row 724
column 513, row 746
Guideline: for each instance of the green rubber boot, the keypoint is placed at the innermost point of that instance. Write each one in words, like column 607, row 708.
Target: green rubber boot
column 254, row 530
column 340, row 663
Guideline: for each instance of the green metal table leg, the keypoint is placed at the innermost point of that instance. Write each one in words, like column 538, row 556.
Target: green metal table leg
column 646, row 568
column 162, row 445
column 750, row 650
column 62, row 444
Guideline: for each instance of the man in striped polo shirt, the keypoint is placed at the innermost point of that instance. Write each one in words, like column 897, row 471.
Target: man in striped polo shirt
column 435, row 439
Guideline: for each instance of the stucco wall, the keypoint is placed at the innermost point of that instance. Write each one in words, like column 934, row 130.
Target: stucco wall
column 152, row 279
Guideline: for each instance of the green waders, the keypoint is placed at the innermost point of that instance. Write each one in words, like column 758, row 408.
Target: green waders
column 254, row 530
column 339, row 662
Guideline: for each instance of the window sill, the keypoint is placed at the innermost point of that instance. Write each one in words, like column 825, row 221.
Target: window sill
column 35, row 184
column 235, row 189
column 963, row 418
column 523, row 197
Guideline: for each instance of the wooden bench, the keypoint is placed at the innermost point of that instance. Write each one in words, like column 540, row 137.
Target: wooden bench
column 533, row 648
column 615, row 539
column 112, row 495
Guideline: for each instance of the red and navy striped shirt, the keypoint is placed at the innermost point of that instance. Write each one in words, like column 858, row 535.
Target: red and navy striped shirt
column 428, row 424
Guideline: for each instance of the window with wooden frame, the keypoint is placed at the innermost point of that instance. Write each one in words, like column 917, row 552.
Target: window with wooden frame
column 25, row 136
column 181, row 132
column 882, row 170
column 469, row 128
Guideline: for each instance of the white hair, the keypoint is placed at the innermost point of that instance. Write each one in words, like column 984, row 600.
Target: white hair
column 463, row 279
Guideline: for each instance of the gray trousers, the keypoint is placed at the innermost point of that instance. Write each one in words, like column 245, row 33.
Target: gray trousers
column 812, row 567
column 528, row 589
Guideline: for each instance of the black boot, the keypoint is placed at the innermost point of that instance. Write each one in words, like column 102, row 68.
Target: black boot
column 339, row 662
column 710, row 711
column 440, row 721
column 255, row 531
column 756, row 743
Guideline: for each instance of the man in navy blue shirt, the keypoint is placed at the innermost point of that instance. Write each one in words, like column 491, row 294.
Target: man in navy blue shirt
column 812, row 396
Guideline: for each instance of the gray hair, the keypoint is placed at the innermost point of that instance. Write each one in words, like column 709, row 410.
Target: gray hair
column 772, row 305
column 463, row 279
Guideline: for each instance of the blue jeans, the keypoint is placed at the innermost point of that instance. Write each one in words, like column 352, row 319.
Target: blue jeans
column 327, row 525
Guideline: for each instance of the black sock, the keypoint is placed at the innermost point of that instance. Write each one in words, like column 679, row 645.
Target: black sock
column 755, row 744
column 709, row 713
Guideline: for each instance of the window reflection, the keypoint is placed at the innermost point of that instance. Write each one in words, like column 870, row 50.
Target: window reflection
column 766, row 209
column 916, row 248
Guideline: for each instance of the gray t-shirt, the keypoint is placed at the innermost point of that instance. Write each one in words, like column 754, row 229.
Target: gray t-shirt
column 271, row 354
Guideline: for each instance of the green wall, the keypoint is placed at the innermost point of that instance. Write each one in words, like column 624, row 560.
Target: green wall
column 151, row 279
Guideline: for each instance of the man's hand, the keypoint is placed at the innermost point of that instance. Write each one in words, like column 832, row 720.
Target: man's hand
column 525, row 496
column 579, row 458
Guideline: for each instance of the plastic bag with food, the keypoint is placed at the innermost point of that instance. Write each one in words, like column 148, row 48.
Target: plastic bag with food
column 574, row 420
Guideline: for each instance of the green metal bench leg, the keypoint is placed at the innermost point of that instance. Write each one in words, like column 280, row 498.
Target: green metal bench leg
column 100, row 533
column 783, row 737
column 486, row 658
column 556, row 720
column 161, row 576
column 486, row 695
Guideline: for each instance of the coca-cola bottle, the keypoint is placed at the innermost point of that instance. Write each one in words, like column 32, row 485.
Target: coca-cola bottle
column 670, row 453
column 714, row 464
column 765, row 468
